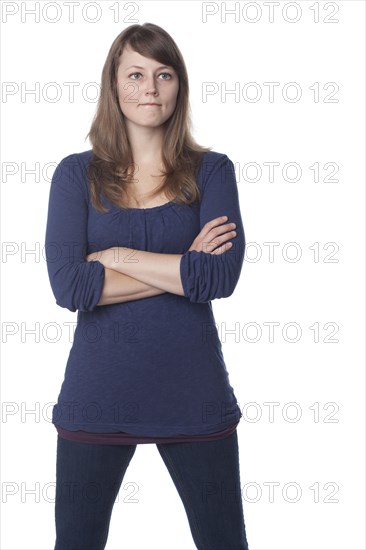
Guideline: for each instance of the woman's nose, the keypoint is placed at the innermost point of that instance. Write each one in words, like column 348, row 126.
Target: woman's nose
column 150, row 85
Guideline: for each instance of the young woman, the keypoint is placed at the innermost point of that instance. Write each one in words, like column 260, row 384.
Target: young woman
column 143, row 232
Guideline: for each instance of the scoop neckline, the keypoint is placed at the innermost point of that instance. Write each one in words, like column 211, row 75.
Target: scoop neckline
column 149, row 209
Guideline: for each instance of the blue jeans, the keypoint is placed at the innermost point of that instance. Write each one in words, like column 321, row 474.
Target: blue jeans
column 205, row 473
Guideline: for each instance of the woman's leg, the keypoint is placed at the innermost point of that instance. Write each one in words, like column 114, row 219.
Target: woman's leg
column 88, row 478
column 206, row 475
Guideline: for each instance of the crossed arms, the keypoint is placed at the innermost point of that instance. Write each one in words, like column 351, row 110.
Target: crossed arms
column 134, row 274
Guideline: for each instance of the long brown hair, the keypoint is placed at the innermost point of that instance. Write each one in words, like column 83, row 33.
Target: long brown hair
column 111, row 167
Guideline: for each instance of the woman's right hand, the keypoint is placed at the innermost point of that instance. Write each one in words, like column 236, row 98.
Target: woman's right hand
column 213, row 237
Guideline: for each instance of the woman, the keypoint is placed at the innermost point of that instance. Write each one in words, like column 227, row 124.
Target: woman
column 137, row 241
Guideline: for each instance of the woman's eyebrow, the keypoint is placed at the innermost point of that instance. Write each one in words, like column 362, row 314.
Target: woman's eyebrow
column 157, row 68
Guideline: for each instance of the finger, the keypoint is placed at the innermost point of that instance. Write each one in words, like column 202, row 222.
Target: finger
column 212, row 224
column 227, row 231
column 222, row 249
column 221, row 239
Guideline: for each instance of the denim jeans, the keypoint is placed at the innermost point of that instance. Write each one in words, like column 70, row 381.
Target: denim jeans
column 205, row 473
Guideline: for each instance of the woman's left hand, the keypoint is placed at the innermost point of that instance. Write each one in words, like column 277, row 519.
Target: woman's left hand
column 107, row 257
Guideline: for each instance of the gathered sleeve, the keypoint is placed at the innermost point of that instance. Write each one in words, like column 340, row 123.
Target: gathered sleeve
column 206, row 276
column 76, row 283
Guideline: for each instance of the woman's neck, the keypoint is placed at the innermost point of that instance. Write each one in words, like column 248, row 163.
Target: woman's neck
column 146, row 145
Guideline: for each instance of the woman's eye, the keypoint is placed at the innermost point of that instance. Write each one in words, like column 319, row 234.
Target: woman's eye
column 133, row 74
column 169, row 76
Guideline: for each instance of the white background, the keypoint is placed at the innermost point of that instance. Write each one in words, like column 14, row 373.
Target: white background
column 323, row 53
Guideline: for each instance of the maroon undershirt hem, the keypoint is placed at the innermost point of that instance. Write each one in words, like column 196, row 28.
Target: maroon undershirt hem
column 123, row 438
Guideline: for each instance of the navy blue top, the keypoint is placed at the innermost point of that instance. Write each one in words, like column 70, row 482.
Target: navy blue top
column 152, row 366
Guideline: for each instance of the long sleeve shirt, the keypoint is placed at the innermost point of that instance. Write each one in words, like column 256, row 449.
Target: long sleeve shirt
column 151, row 367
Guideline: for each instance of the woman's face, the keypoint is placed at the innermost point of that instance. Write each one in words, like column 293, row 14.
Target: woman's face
column 141, row 80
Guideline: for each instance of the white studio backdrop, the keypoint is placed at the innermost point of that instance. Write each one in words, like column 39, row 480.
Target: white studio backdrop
column 279, row 87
